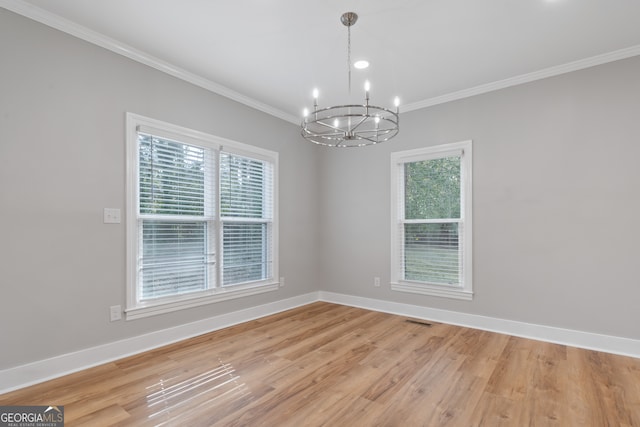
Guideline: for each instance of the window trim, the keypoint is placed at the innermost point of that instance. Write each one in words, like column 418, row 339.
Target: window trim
column 398, row 159
column 135, row 309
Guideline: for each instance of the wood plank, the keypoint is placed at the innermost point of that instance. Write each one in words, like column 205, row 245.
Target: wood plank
column 106, row 416
column 331, row 365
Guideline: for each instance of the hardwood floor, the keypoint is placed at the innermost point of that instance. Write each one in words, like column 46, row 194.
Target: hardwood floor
column 331, row 365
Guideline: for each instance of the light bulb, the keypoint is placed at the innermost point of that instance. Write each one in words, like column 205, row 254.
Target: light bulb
column 396, row 102
column 367, row 86
column 305, row 112
column 315, row 93
column 336, row 123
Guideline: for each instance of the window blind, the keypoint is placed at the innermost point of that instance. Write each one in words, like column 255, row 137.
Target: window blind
column 246, row 207
column 174, row 197
column 245, row 187
column 172, row 177
column 173, row 258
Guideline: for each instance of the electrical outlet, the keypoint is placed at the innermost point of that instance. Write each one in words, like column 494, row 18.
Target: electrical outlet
column 115, row 312
column 282, row 282
column 376, row 282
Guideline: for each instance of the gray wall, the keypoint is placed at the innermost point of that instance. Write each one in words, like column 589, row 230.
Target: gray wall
column 556, row 202
column 62, row 152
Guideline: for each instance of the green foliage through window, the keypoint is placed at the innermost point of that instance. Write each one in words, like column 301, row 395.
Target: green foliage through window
column 432, row 189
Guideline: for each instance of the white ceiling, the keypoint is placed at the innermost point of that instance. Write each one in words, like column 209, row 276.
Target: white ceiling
column 271, row 53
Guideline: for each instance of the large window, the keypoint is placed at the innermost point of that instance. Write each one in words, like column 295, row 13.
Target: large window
column 201, row 223
column 431, row 221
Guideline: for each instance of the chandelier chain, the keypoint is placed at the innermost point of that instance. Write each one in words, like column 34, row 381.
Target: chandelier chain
column 349, row 55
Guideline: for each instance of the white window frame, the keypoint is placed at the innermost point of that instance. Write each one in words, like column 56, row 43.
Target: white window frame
column 138, row 309
column 398, row 160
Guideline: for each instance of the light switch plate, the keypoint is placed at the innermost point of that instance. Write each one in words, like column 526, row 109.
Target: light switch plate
column 111, row 216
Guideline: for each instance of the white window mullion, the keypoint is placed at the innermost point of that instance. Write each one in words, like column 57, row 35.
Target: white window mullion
column 210, row 212
column 217, row 232
column 402, row 255
column 400, row 209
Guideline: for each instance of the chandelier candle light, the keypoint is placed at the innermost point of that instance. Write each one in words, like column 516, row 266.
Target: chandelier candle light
column 350, row 125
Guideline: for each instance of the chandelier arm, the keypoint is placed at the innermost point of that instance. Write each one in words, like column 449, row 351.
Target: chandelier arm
column 364, row 119
column 374, row 141
column 378, row 135
column 321, row 123
column 330, row 136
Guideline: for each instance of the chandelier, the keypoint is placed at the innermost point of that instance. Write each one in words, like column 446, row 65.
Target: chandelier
column 350, row 125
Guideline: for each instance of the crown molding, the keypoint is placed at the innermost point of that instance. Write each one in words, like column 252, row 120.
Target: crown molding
column 526, row 78
column 40, row 15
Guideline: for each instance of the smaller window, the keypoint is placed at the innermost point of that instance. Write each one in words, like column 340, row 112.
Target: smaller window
column 431, row 221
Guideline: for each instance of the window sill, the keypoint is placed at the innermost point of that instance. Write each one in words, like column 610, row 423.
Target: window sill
column 432, row 290
column 175, row 304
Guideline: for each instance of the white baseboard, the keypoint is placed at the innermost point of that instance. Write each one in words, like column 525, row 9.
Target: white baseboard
column 586, row 340
column 43, row 370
